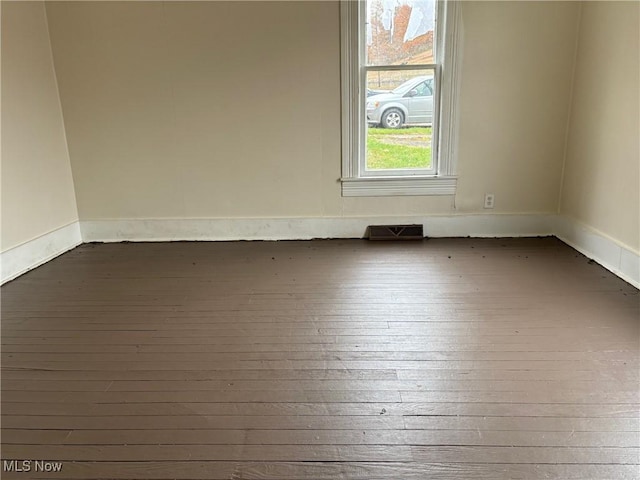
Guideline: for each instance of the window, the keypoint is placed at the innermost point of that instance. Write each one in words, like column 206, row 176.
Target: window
column 398, row 89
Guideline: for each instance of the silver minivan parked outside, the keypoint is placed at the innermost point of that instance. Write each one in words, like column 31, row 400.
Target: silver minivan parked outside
column 409, row 104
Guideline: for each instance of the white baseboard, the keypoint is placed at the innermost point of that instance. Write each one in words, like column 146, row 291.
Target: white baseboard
column 27, row 256
column 612, row 255
column 220, row 229
column 617, row 258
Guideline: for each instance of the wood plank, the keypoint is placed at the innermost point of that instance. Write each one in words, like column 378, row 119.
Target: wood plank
column 432, row 357
column 323, row 408
column 515, row 423
column 436, row 385
column 167, row 364
column 223, row 374
column 216, row 470
column 606, row 350
column 324, row 422
column 283, row 436
column 207, row 422
column 537, row 455
column 426, row 374
column 252, row 453
column 314, row 396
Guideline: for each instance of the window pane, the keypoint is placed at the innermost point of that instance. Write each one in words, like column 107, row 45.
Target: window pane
column 400, row 32
column 400, row 107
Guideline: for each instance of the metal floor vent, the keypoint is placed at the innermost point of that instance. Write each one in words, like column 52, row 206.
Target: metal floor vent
column 395, row 232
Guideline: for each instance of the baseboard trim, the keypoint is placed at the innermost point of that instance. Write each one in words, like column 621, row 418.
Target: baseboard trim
column 617, row 258
column 612, row 255
column 33, row 253
column 226, row 229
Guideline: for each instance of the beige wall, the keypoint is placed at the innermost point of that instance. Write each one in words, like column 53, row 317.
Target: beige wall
column 602, row 174
column 37, row 187
column 222, row 109
column 518, row 59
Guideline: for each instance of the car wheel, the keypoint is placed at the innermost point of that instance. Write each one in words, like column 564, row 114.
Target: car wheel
column 392, row 118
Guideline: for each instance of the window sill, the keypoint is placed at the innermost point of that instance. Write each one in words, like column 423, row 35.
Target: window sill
column 398, row 186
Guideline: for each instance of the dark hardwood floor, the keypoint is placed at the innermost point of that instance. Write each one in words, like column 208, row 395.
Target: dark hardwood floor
column 444, row 359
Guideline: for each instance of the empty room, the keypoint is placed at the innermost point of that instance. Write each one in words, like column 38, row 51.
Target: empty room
column 317, row 240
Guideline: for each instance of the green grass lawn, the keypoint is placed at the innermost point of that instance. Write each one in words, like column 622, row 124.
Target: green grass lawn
column 401, row 148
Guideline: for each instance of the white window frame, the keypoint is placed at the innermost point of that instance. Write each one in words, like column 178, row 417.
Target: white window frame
column 442, row 179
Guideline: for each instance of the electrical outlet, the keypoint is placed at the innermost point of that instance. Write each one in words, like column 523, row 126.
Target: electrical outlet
column 489, row 200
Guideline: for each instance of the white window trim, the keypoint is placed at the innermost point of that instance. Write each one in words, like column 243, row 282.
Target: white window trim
column 444, row 181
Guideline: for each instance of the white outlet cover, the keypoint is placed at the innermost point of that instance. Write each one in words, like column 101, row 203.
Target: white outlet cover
column 489, row 200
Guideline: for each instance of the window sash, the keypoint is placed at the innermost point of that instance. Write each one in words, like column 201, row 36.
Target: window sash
column 362, row 127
